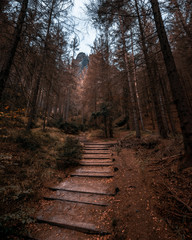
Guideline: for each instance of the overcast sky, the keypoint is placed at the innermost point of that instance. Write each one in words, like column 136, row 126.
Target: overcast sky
column 84, row 28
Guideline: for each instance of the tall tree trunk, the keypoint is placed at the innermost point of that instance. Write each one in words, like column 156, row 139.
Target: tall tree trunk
column 167, row 105
column 183, row 108
column 159, row 118
column 129, row 69
column 5, row 71
column 38, row 81
column 47, row 104
column 137, row 100
column 149, row 103
column 32, row 113
column 67, row 105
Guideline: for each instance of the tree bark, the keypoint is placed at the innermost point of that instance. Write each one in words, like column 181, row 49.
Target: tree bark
column 38, row 81
column 183, row 108
column 5, row 71
column 137, row 99
column 129, row 69
column 159, row 118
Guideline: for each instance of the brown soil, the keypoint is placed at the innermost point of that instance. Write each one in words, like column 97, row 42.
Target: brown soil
column 153, row 201
column 133, row 212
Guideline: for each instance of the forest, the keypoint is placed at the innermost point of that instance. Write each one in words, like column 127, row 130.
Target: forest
column 134, row 89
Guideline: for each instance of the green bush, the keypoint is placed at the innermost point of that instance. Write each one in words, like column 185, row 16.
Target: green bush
column 69, row 154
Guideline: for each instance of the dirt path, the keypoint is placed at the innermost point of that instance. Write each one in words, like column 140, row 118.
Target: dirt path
column 77, row 207
column 133, row 212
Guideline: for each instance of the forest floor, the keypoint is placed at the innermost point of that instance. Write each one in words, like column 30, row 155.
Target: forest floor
column 154, row 200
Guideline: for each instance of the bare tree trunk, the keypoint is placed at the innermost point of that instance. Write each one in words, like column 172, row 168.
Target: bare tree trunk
column 5, row 71
column 131, row 89
column 37, row 85
column 183, row 108
column 47, row 104
column 167, row 106
column 137, row 100
column 32, row 113
column 149, row 102
column 161, row 127
column 67, row 105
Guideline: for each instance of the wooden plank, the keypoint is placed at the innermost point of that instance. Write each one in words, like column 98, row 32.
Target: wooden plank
column 91, row 174
column 102, row 204
column 96, row 164
column 97, row 169
column 97, row 153
column 77, row 226
column 96, row 158
column 82, row 191
column 96, row 161
column 98, row 144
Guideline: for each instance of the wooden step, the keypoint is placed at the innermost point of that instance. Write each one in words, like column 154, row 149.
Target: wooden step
column 90, row 153
column 55, row 198
column 100, row 164
column 97, row 148
column 104, row 169
column 92, row 174
column 76, row 197
column 83, row 190
column 96, row 157
column 77, row 226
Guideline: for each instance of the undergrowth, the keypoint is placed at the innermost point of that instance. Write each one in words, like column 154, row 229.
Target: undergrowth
column 32, row 140
column 69, row 153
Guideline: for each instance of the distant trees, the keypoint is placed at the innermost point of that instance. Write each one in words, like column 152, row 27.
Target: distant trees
column 153, row 85
column 36, row 67
column 5, row 70
column 139, row 73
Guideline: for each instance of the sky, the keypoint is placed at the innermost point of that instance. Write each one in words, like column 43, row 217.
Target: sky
column 84, row 29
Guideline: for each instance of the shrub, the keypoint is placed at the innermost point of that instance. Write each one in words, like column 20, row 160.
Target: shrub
column 69, row 154
column 55, row 122
column 69, row 128
column 150, row 142
column 122, row 122
column 32, row 141
column 28, row 141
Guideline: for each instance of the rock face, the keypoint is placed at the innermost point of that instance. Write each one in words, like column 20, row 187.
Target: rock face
column 81, row 62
